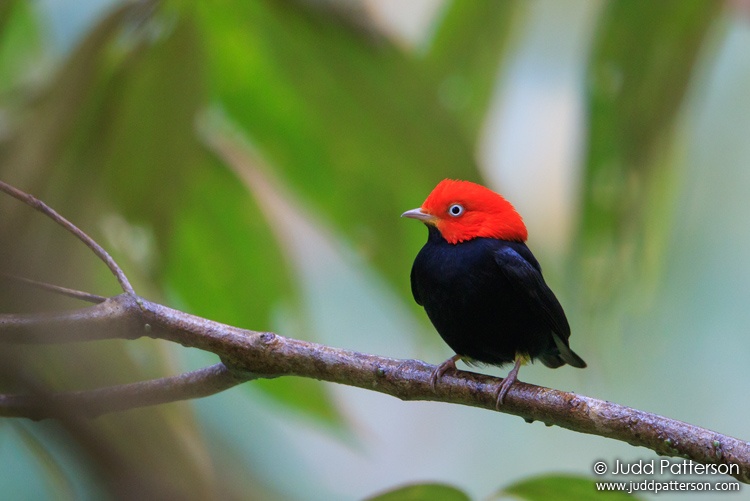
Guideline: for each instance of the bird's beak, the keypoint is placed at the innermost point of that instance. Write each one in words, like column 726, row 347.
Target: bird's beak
column 418, row 213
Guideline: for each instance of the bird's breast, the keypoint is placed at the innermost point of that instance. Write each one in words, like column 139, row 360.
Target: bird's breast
column 471, row 302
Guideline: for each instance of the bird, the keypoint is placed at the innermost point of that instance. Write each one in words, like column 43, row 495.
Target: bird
column 481, row 286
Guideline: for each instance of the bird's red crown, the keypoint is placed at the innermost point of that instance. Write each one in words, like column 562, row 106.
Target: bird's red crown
column 462, row 210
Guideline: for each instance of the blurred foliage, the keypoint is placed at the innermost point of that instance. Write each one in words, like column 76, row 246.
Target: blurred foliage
column 422, row 492
column 327, row 106
column 465, row 55
column 541, row 488
column 357, row 129
column 560, row 487
column 638, row 77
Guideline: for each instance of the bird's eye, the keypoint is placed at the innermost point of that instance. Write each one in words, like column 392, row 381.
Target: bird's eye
column 456, row 210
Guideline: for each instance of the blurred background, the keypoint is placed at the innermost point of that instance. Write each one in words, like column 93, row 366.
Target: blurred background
column 248, row 162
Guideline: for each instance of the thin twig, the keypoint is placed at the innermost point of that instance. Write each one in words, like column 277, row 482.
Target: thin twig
column 37, row 204
column 93, row 403
column 76, row 294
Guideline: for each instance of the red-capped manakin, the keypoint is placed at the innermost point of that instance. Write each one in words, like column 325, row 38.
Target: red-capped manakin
column 481, row 286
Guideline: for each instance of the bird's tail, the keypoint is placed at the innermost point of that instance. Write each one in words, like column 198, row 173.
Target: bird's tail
column 553, row 361
column 566, row 356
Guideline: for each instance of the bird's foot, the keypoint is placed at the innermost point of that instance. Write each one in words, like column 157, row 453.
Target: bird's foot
column 504, row 387
column 511, row 378
column 448, row 365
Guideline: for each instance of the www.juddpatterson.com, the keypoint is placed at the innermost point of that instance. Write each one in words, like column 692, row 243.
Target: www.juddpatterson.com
column 664, row 467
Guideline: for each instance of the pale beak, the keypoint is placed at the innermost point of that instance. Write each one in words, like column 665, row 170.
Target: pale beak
column 418, row 213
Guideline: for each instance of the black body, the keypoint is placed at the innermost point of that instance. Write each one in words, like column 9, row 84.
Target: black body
column 488, row 300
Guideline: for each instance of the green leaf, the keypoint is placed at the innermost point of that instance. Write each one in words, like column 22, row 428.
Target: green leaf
column 422, row 492
column 354, row 129
column 116, row 133
column 465, row 54
column 6, row 11
column 307, row 395
column 643, row 59
column 20, row 44
column 560, row 488
column 50, row 126
column 218, row 255
column 221, row 259
column 642, row 64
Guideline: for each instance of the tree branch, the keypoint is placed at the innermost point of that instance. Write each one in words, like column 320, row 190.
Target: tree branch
column 93, row 403
column 112, row 319
column 271, row 355
column 250, row 354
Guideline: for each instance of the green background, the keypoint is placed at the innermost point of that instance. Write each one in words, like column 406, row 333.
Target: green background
column 248, row 161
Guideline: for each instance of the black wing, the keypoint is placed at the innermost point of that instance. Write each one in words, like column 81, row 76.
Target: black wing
column 531, row 286
column 415, row 288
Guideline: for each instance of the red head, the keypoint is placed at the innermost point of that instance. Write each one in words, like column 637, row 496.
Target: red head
column 462, row 210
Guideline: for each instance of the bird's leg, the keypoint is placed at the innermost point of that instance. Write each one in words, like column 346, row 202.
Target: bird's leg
column 448, row 365
column 508, row 381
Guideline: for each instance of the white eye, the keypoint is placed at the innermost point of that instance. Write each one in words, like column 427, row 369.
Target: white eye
column 456, row 210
